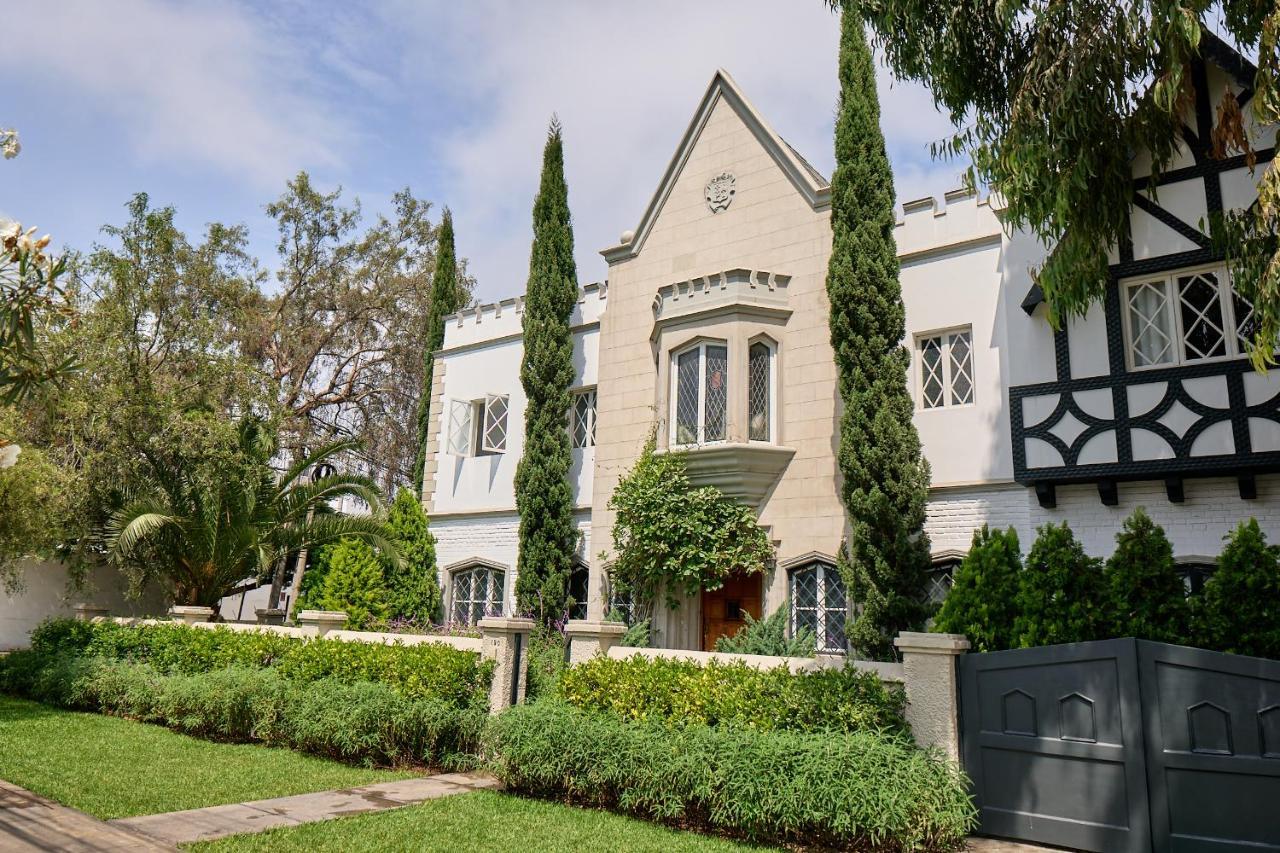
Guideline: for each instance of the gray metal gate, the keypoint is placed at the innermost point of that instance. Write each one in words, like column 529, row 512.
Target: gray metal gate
column 1124, row 745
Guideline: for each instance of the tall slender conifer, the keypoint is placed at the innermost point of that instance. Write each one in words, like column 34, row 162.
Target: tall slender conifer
column 446, row 298
column 544, row 498
column 885, row 478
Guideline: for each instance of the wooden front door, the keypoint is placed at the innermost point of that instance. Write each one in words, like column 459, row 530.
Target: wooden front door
column 724, row 610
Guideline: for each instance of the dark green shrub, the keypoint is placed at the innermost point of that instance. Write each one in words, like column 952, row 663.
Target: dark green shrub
column 1148, row 599
column 429, row 670
column 983, row 601
column 860, row 790
column 1061, row 594
column 1240, row 607
column 686, row 693
column 354, row 583
column 361, row 721
column 768, row 636
column 412, row 590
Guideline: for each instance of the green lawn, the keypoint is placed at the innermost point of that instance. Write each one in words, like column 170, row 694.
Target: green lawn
column 111, row 767
column 479, row 822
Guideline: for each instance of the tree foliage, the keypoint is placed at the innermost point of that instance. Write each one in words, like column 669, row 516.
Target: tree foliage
column 205, row 522
column 544, row 497
column 33, row 303
column 1147, row 596
column 1052, row 99
column 983, row 601
column 36, row 506
column 354, row 583
column 1240, row 609
column 672, row 537
column 413, row 593
column 884, row 477
column 1062, row 597
column 447, row 297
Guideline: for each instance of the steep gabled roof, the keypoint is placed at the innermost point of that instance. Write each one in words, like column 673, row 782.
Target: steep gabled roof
column 806, row 179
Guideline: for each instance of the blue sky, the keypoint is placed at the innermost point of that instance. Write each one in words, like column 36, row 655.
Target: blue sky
column 211, row 107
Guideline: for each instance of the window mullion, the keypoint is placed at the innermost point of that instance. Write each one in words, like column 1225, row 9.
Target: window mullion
column 1229, row 332
column 702, row 394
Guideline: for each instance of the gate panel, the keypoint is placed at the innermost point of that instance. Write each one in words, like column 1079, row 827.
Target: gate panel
column 1052, row 738
column 1213, row 749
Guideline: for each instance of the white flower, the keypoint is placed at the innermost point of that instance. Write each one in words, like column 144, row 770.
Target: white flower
column 9, row 144
column 9, row 455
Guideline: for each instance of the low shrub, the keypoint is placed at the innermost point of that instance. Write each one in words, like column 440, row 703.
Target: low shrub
column 768, row 636
column 429, row 670
column 862, row 790
column 548, row 653
column 685, row 692
column 357, row 722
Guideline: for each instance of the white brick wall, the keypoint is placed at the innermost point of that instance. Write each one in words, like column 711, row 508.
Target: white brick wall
column 1195, row 527
column 490, row 537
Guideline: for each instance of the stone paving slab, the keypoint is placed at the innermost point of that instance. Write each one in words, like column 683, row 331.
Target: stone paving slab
column 237, row 819
column 30, row 823
column 1003, row 845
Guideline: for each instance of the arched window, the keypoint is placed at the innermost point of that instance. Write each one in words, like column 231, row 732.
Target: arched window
column 578, row 582
column 700, row 394
column 760, row 392
column 819, row 604
column 1194, row 575
column 476, row 592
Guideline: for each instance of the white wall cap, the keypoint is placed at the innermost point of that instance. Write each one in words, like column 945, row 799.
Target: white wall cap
column 924, row 643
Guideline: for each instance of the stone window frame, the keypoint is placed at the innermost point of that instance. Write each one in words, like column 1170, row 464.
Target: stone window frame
column 825, row 568
column 701, row 345
column 947, row 368
column 492, row 605
column 1169, row 284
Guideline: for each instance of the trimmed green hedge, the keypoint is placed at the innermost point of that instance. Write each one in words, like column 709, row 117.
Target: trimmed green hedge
column 359, row 722
column 862, row 790
column 427, row 671
column 686, row 692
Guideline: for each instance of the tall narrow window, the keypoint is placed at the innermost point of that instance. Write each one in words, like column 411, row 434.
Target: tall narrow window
column 494, row 438
column 460, row 427
column 1150, row 323
column 583, row 426
column 578, row 583
column 477, row 593
column 819, row 604
column 946, row 369
column 700, row 394
column 759, row 391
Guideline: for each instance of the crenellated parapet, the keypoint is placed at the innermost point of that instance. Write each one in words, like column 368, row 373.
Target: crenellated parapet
column 961, row 219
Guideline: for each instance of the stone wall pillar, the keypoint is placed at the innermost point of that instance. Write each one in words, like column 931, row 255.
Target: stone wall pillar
column 89, row 612
column 933, row 695
column 269, row 615
column 506, row 641
column 323, row 621
column 189, row 615
column 590, row 637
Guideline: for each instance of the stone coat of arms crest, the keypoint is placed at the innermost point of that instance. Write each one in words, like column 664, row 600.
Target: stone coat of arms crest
column 720, row 191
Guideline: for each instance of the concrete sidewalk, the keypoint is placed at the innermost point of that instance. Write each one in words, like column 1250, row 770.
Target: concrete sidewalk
column 239, row 818
column 30, row 823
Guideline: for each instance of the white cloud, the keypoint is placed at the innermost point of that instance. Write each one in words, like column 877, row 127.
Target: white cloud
column 189, row 82
column 624, row 80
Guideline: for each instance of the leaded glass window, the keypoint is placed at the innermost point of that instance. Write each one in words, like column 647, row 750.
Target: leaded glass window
column 938, row 581
column 946, row 369
column 460, row 427
column 578, row 583
column 583, row 426
column 1203, row 328
column 759, row 391
column 819, row 604
column 477, row 593
column 495, row 424
column 1186, row 318
column 701, row 394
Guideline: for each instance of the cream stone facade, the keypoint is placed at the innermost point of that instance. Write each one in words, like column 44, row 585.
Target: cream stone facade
column 712, row 333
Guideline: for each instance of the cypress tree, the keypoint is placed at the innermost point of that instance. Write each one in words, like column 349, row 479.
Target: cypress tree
column 1240, row 611
column 446, row 298
column 983, row 600
column 1062, row 595
column 1148, row 598
column 885, row 479
column 544, row 497
column 414, row 592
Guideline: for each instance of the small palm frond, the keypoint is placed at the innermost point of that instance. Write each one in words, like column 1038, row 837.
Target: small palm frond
column 330, row 528
column 295, row 503
column 322, row 454
column 128, row 527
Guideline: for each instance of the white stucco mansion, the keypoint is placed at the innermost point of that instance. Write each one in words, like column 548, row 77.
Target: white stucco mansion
column 713, row 327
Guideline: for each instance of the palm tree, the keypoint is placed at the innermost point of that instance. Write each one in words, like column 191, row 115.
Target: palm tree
column 207, row 532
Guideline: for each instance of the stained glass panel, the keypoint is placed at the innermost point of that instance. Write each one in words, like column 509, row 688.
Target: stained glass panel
column 687, row 368
column 758, row 392
column 717, row 392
